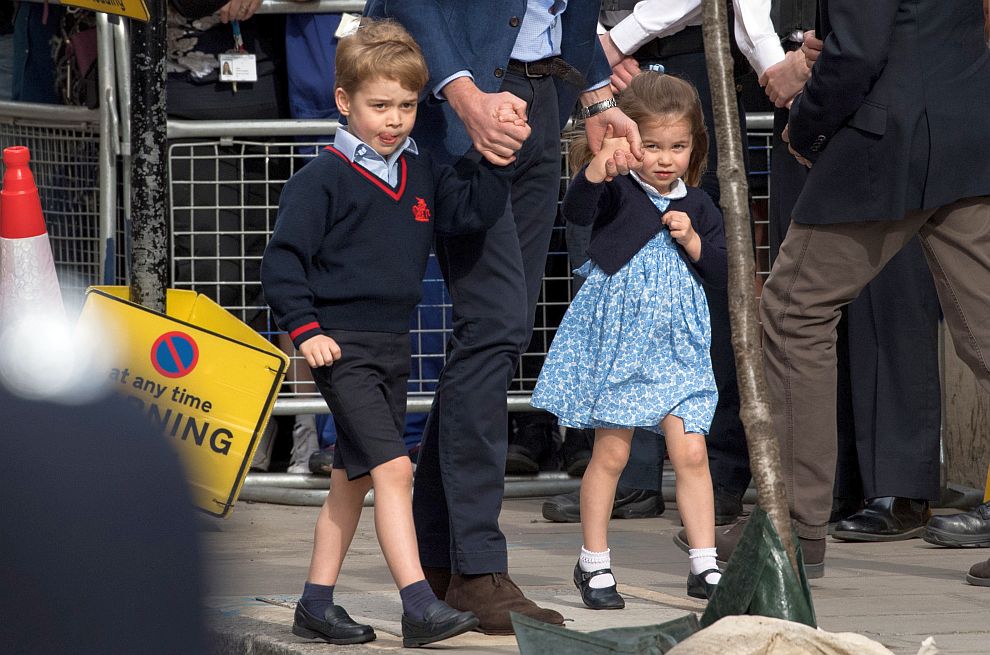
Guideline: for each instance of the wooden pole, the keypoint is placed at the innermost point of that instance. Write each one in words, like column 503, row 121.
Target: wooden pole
column 754, row 410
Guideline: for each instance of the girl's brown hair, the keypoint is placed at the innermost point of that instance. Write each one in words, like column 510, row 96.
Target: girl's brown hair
column 380, row 48
column 652, row 97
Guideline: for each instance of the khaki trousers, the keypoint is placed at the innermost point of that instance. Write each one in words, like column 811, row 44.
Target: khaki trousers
column 819, row 269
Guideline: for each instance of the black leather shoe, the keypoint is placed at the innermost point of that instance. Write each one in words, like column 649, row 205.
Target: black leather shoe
column 440, row 621
column 727, row 536
column 842, row 508
column 637, row 504
column 699, row 587
column 888, row 518
column 606, row 598
column 968, row 529
column 530, row 440
column 336, row 627
column 628, row 504
column 728, row 507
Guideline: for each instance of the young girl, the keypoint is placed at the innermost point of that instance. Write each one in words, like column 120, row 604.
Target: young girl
column 633, row 348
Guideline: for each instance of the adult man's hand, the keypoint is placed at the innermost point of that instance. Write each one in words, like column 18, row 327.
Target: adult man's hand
column 623, row 72
column 496, row 140
column 785, row 136
column 786, row 78
column 624, row 68
column 811, row 47
column 622, row 126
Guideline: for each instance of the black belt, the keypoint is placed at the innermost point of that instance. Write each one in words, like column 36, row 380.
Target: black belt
column 549, row 67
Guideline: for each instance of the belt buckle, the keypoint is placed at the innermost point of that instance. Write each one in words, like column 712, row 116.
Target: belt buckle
column 526, row 69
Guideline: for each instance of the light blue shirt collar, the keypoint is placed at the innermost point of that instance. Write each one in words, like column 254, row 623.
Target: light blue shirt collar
column 360, row 153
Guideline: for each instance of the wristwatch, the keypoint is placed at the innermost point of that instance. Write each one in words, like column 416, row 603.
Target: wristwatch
column 597, row 108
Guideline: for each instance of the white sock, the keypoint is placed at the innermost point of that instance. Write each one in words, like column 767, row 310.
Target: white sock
column 701, row 560
column 591, row 561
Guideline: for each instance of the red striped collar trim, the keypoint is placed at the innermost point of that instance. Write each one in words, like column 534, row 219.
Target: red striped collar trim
column 394, row 194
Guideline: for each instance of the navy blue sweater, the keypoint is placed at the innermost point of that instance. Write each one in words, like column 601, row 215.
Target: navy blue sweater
column 625, row 219
column 349, row 252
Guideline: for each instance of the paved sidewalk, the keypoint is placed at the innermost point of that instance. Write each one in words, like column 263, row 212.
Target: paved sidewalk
column 896, row 593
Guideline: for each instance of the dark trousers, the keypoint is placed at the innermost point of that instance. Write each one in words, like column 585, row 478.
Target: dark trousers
column 728, row 457
column 494, row 281
column 889, row 408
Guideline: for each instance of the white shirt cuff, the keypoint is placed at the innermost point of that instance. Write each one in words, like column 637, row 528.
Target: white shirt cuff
column 629, row 35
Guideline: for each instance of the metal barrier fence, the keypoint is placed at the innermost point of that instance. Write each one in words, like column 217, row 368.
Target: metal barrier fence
column 225, row 179
column 224, row 198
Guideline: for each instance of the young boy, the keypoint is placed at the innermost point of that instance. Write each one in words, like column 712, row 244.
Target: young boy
column 342, row 274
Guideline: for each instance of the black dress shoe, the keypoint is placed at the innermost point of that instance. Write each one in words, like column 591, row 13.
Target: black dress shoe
column 698, row 585
column 440, row 621
column 842, row 508
column 727, row 536
column 336, row 627
column 628, row 504
column 530, row 439
column 888, row 518
column 969, row 529
column 606, row 598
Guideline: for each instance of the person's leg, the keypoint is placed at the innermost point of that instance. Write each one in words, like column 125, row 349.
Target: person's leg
column 695, row 504
column 393, row 520
column 494, row 280
column 956, row 242
column 695, row 497
column 609, row 457
column 335, row 526
column 893, row 350
column 819, row 269
column 593, row 571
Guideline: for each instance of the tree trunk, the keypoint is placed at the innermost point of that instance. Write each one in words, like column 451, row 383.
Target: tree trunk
column 149, row 189
column 754, row 410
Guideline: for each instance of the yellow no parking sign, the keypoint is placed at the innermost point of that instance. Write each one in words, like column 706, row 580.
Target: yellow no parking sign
column 203, row 378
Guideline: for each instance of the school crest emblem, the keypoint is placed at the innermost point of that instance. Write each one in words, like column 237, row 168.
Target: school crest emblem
column 420, row 211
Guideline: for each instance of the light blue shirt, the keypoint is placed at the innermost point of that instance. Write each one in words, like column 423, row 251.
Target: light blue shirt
column 539, row 37
column 539, row 34
column 359, row 152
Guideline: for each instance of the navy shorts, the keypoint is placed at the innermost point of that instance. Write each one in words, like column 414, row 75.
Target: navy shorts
column 366, row 392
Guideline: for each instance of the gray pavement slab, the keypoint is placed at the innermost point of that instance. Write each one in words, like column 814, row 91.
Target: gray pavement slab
column 896, row 593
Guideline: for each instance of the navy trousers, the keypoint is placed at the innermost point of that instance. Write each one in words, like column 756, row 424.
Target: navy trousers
column 494, row 281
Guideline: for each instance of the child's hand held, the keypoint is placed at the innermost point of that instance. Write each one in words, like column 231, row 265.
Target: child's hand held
column 320, row 350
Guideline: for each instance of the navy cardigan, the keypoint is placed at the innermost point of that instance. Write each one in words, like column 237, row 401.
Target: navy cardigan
column 625, row 219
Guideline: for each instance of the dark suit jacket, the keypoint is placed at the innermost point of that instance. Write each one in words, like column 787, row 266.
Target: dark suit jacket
column 896, row 115
column 478, row 36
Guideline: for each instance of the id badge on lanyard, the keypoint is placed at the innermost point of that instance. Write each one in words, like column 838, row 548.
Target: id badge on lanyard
column 238, row 65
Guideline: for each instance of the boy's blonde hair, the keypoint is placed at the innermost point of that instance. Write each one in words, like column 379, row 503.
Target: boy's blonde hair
column 380, row 49
column 652, row 97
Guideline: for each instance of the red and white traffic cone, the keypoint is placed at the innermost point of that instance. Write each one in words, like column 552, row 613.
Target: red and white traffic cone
column 28, row 284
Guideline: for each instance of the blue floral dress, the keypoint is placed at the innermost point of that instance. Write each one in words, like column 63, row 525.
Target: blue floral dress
column 633, row 347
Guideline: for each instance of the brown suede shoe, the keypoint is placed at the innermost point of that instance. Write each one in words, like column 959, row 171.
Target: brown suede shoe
column 438, row 579
column 491, row 596
column 979, row 574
